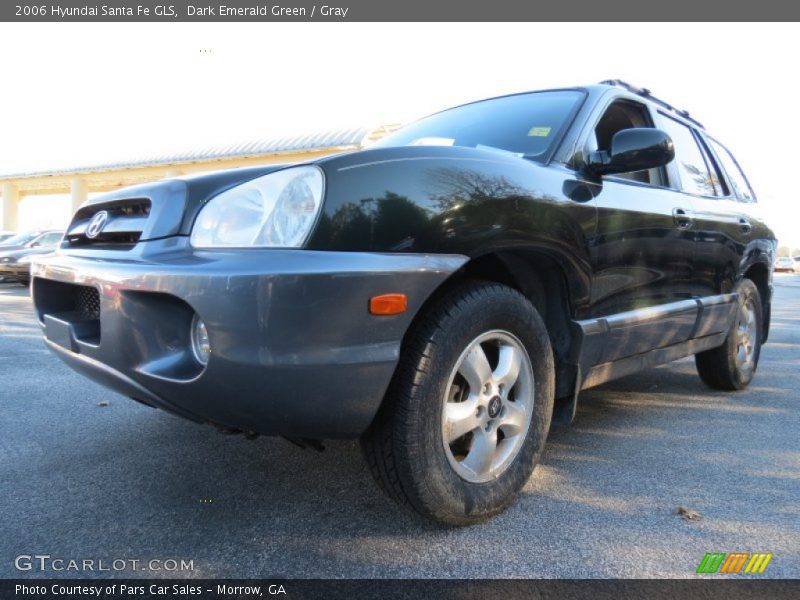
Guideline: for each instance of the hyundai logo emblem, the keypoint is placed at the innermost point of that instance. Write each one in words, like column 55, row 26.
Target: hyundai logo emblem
column 96, row 224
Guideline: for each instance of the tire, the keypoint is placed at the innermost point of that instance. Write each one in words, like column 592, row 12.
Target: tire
column 733, row 365
column 430, row 398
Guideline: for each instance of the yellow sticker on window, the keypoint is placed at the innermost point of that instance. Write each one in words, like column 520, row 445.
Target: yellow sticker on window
column 539, row 131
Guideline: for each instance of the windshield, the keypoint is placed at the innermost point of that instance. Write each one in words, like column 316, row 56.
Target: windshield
column 525, row 124
column 20, row 239
column 49, row 239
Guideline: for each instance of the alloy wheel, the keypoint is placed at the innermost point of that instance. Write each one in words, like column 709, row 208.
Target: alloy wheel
column 746, row 337
column 488, row 406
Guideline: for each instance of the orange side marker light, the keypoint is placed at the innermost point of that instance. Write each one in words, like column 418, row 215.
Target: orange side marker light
column 388, row 304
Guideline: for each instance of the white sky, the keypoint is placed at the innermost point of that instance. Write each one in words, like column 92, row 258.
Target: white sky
column 84, row 93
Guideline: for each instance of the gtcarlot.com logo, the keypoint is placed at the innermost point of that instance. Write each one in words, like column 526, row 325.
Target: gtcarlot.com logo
column 45, row 563
column 734, row 563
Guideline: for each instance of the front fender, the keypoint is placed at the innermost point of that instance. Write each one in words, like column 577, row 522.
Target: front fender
column 454, row 200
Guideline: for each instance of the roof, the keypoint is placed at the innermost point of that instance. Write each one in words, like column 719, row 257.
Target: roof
column 332, row 139
column 648, row 95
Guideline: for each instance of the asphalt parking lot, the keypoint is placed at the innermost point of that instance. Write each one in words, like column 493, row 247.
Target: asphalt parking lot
column 123, row 481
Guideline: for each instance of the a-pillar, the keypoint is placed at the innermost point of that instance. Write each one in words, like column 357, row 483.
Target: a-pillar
column 10, row 207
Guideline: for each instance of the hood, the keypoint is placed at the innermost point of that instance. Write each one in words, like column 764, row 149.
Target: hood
column 160, row 209
column 15, row 255
column 12, row 248
column 169, row 207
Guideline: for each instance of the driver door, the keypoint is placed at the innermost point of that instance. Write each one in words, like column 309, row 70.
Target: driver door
column 643, row 248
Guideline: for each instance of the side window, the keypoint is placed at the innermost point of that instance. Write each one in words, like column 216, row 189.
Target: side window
column 717, row 179
column 626, row 114
column 693, row 170
column 50, row 239
column 741, row 188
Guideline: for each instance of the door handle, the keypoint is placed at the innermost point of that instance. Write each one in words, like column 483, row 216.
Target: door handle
column 682, row 218
column 745, row 226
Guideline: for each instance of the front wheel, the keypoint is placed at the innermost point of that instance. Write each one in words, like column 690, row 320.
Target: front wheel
column 466, row 416
column 733, row 365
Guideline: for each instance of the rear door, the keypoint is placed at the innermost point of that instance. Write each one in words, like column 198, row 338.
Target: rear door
column 722, row 230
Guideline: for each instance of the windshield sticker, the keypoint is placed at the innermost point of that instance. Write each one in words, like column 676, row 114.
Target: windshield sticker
column 539, row 131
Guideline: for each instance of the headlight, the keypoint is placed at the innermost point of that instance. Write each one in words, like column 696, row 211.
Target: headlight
column 277, row 210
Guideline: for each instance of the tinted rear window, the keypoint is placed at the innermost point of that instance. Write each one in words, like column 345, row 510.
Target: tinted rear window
column 741, row 188
column 525, row 124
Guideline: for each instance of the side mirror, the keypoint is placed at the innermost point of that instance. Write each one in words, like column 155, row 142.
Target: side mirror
column 35, row 244
column 633, row 150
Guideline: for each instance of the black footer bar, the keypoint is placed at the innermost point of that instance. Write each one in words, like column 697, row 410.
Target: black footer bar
column 383, row 589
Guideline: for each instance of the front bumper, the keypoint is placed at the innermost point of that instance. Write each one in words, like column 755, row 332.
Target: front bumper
column 295, row 351
column 15, row 271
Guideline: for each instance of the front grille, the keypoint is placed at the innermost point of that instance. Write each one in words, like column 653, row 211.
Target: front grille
column 52, row 297
column 121, row 230
column 113, row 241
column 68, row 303
column 87, row 301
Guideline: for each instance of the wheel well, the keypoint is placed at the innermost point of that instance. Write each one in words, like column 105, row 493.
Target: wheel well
column 540, row 279
column 759, row 275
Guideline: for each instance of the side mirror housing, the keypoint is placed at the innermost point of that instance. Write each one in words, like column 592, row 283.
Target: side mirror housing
column 632, row 150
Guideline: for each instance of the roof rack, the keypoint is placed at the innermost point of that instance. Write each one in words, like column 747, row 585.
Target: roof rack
column 645, row 93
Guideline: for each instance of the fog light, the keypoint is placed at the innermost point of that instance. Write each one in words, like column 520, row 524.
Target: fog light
column 201, row 346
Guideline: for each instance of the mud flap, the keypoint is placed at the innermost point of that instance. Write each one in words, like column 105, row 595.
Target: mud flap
column 564, row 409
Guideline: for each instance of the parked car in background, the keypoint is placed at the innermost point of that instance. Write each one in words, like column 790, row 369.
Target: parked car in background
column 444, row 294
column 784, row 264
column 24, row 239
column 4, row 235
column 17, row 241
column 15, row 263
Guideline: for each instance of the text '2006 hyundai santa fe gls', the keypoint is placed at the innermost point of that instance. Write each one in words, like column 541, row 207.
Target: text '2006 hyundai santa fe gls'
column 443, row 295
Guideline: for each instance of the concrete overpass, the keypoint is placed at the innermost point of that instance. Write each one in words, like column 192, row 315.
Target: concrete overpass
column 80, row 181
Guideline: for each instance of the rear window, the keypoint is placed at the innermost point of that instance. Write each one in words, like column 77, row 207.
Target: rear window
column 525, row 124
column 741, row 188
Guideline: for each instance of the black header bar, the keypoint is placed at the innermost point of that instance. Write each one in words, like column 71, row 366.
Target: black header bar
column 399, row 10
